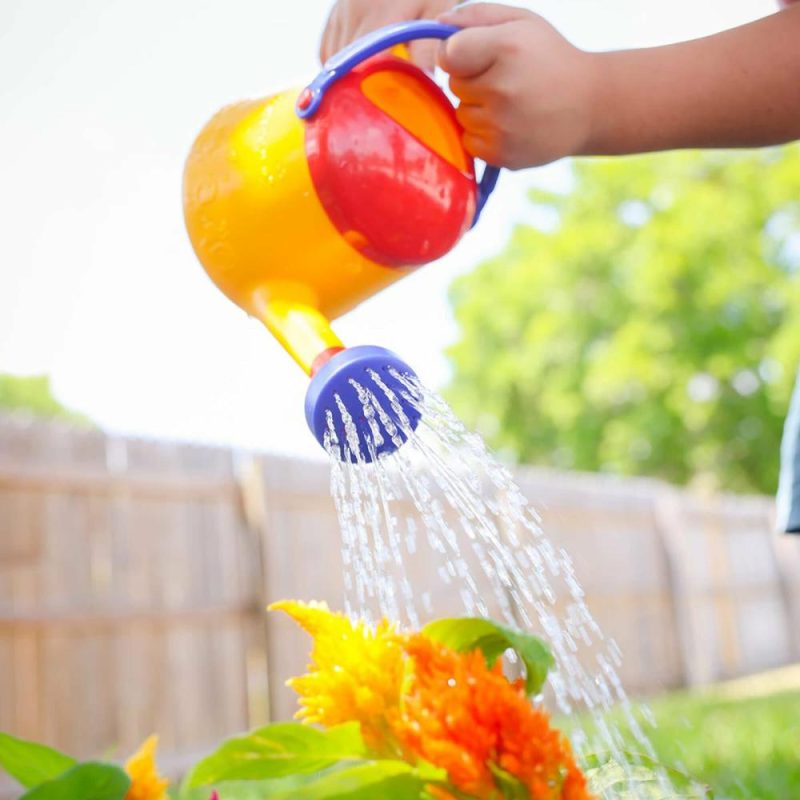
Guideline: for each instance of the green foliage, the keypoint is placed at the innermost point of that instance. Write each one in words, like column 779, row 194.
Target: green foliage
column 50, row 775
column 511, row 787
column 34, row 395
column 248, row 790
column 741, row 747
column 85, row 781
column 391, row 780
column 610, row 779
column 31, row 763
column 279, row 750
column 653, row 330
column 335, row 763
column 475, row 633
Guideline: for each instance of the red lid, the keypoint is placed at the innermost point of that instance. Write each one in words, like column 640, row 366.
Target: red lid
column 385, row 155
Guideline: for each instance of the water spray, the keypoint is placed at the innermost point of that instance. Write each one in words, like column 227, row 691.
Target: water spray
column 303, row 204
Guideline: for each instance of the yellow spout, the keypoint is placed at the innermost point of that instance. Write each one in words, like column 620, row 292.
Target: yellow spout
column 302, row 330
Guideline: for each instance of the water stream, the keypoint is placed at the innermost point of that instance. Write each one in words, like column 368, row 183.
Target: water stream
column 439, row 528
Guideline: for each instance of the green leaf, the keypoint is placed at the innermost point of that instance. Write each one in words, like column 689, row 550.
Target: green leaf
column 31, row 763
column 511, row 786
column 474, row 633
column 279, row 750
column 293, row 786
column 430, row 773
column 384, row 780
column 88, row 781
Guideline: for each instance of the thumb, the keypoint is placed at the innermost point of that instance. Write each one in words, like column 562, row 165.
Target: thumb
column 474, row 15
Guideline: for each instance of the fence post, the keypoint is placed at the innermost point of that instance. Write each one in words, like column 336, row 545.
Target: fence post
column 668, row 512
column 250, row 477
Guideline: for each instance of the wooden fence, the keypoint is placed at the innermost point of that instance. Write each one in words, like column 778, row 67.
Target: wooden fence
column 133, row 575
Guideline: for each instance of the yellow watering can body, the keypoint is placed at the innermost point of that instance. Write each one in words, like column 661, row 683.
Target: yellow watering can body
column 303, row 204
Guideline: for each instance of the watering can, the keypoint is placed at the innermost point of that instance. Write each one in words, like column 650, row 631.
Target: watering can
column 305, row 203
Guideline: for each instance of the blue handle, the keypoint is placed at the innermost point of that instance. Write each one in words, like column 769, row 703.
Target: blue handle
column 485, row 188
column 367, row 46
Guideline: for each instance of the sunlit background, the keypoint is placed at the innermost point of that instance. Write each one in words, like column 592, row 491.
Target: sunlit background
column 99, row 104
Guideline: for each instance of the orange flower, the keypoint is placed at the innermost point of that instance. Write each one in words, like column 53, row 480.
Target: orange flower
column 146, row 783
column 419, row 698
column 464, row 717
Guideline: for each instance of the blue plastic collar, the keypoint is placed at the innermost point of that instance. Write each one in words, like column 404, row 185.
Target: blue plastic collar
column 334, row 378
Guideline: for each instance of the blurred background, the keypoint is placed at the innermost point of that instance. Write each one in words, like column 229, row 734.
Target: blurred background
column 630, row 328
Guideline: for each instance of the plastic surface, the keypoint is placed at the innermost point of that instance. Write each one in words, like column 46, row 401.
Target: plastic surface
column 388, row 166
column 334, row 378
column 485, row 189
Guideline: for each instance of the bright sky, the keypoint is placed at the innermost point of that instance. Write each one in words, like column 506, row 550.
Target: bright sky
column 99, row 103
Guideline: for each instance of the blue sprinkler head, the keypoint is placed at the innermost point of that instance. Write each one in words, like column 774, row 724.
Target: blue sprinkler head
column 335, row 378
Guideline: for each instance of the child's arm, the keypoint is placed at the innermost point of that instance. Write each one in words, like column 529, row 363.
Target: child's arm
column 740, row 88
column 529, row 97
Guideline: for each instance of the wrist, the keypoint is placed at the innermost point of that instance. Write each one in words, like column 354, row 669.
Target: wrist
column 635, row 107
column 598, row 102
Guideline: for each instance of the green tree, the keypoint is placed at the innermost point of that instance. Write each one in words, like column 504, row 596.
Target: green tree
column 33, row 395
column 654, row 329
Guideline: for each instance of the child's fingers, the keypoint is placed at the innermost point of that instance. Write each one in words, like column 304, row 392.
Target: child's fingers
column 464, row 90
column 482, row 15
column 473, row 119
column 478, row 146
column 467, row 54
column 329, row 36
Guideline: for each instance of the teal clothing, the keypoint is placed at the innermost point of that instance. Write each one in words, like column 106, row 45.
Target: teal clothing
column 789, row 483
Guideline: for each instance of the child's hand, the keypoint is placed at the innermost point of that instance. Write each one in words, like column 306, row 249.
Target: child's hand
column 351, row 19
column 525, row 91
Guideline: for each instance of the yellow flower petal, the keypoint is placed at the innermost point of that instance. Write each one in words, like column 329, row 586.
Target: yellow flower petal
column 146, row 783
column 355, row 674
